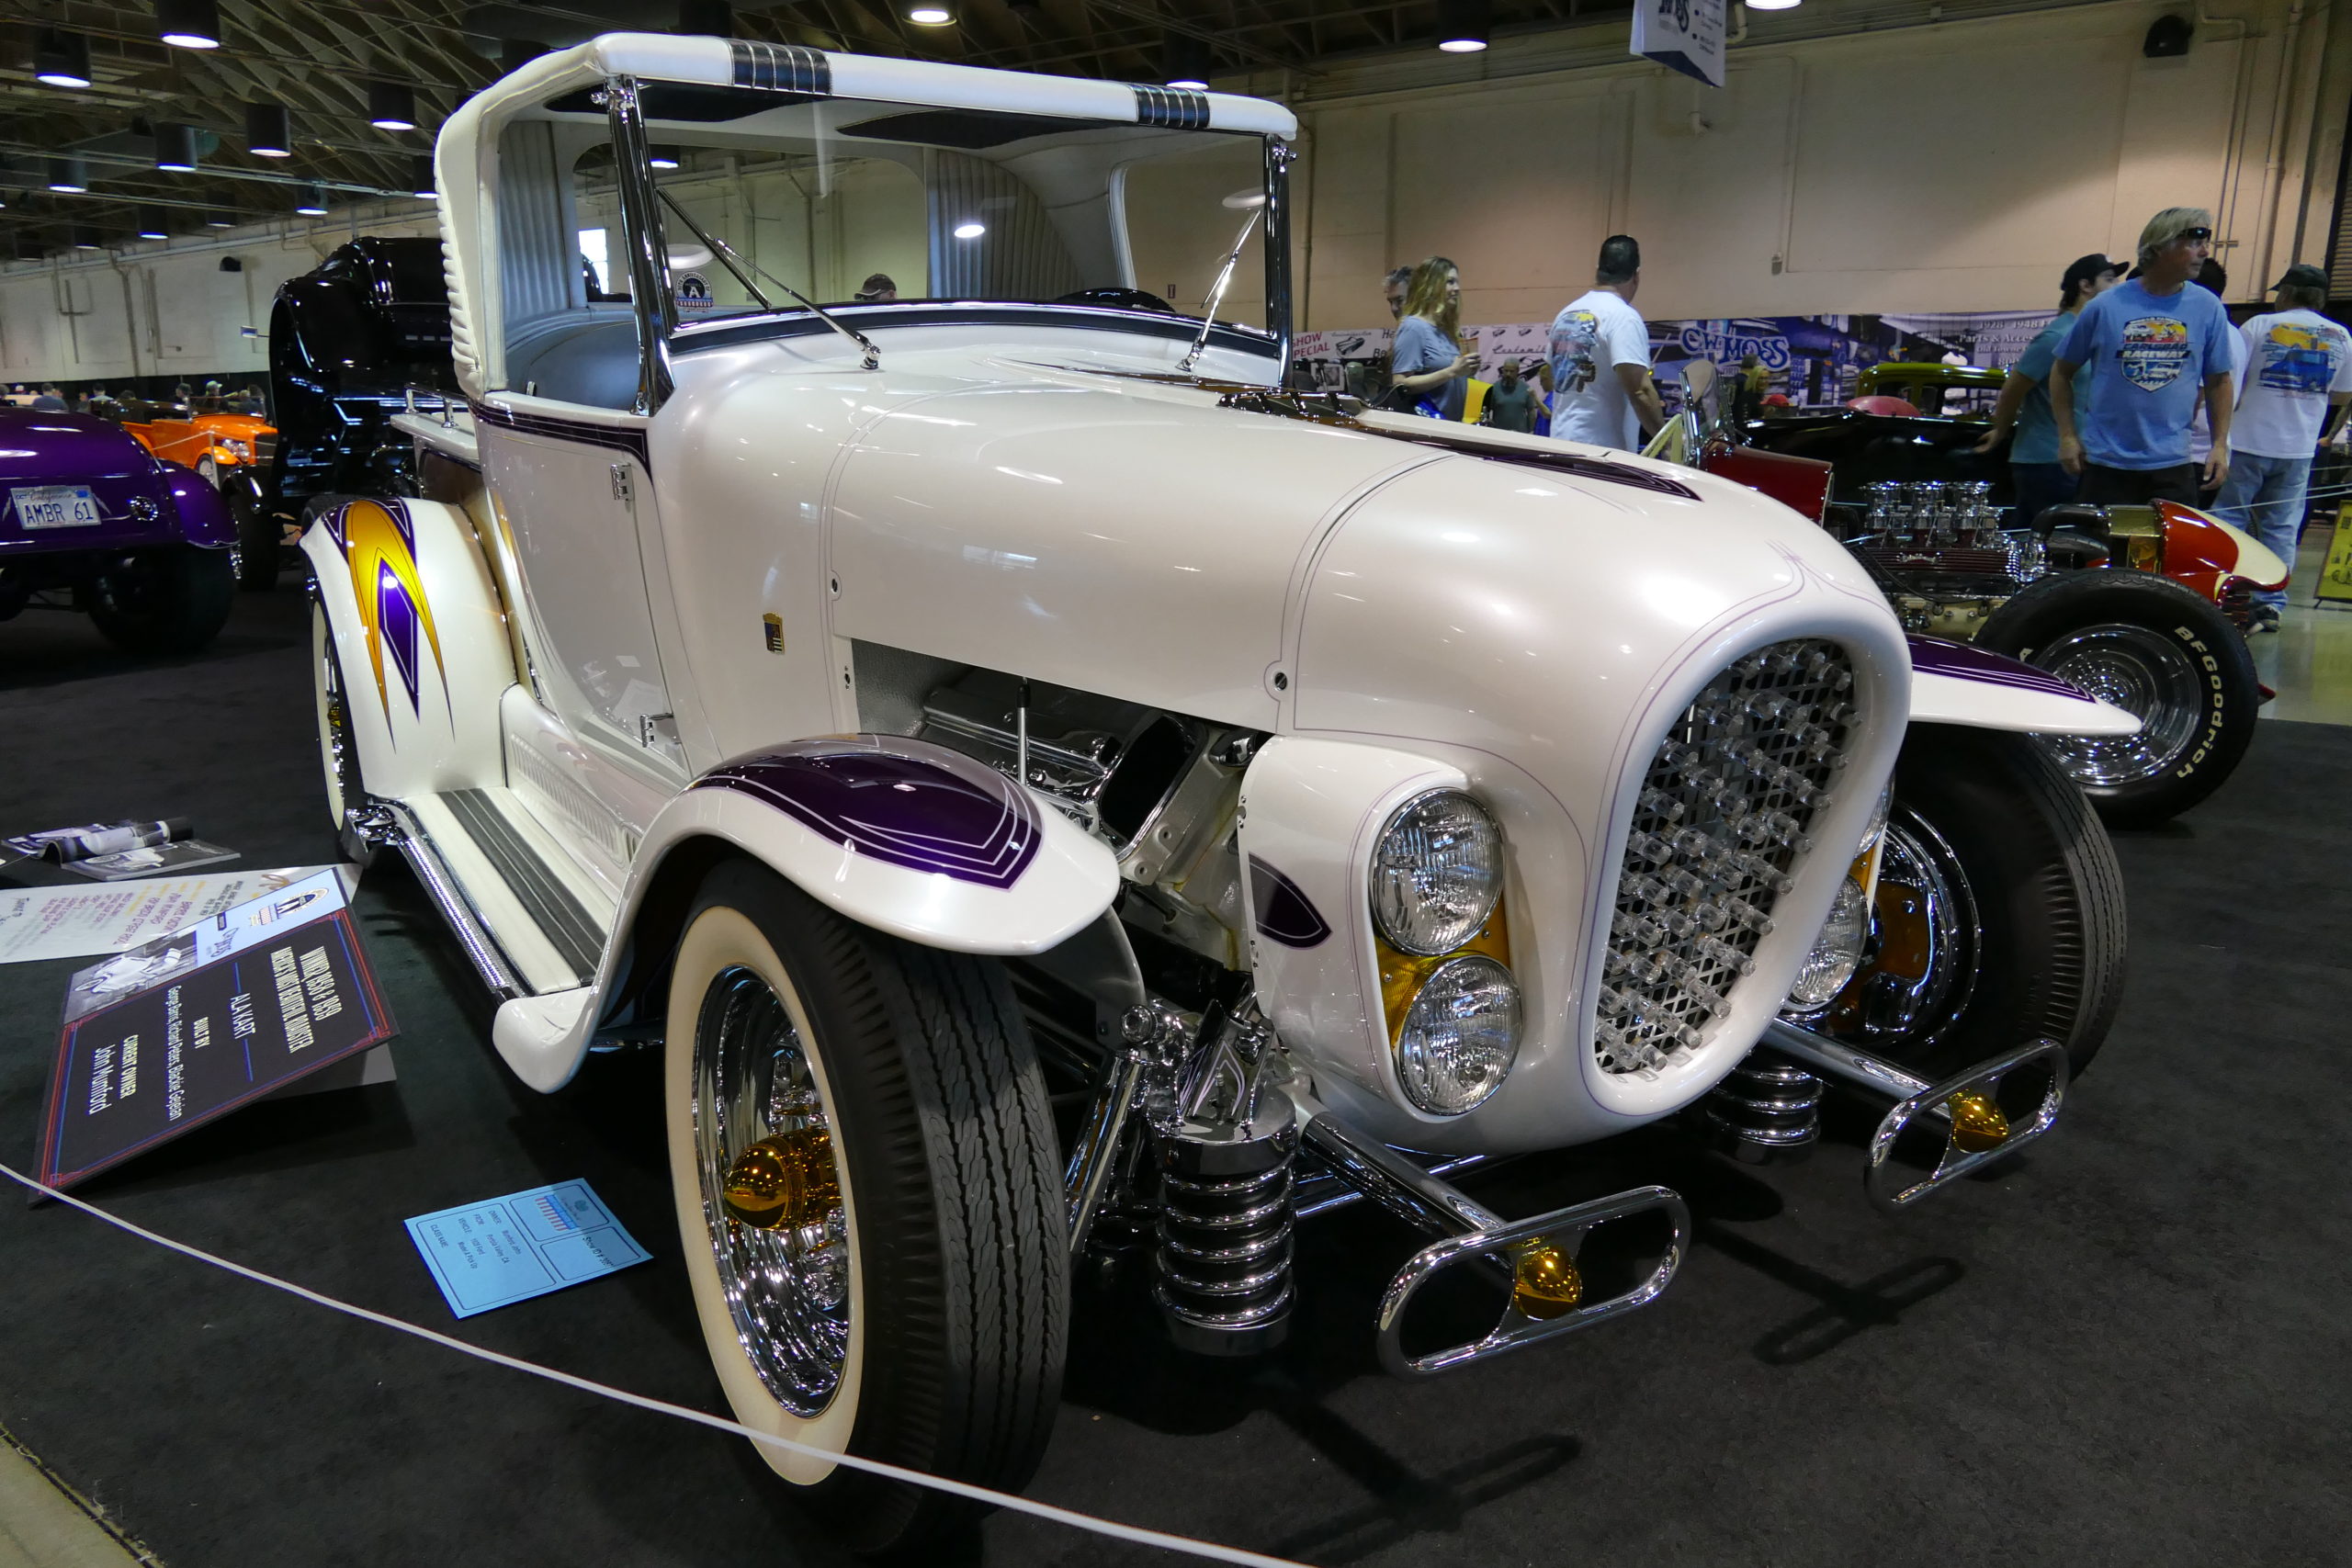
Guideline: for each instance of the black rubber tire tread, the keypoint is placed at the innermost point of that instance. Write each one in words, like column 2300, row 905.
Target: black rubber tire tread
column 2066, row 601
column 942, row 1118
column 259, row 536
column 2048, row 890
column 194, row 590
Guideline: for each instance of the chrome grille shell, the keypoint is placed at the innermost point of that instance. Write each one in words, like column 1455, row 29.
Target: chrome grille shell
column 1721, row 814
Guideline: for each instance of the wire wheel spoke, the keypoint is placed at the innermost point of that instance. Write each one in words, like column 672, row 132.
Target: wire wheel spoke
column 771, row 1192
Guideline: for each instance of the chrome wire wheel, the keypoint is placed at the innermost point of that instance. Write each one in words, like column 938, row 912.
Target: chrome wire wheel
column 771, row 1192
column 1919, row 968
column 2142, row 671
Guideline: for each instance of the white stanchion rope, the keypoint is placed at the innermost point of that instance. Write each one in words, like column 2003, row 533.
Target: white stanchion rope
column 1070, row 1517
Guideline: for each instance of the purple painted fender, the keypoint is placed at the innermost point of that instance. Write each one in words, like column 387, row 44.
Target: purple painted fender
column 1953, row 682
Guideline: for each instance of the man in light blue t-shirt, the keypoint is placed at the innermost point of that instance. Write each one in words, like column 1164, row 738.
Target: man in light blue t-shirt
column 2025, row 400
column 2153, row 343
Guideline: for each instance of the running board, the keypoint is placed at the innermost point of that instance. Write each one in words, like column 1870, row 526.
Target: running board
column 525, row 929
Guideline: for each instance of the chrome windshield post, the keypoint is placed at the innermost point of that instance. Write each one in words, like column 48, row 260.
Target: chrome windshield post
column 1279, row 158
column 648, row 257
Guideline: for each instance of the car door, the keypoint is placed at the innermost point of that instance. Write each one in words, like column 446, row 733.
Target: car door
column 573, row 485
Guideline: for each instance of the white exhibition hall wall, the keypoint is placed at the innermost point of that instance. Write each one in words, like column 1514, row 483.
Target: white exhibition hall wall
column 165, row 308
column 1911, row 167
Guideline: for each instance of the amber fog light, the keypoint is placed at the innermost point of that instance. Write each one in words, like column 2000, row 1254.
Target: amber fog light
column 1459, row 1037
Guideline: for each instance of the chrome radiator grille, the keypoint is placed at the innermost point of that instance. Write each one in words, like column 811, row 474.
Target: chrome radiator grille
column 1722, row 813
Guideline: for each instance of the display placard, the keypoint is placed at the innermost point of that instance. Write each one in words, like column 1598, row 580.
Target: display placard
column 1686, row 35
column 2336, row 577
column 180, row 1030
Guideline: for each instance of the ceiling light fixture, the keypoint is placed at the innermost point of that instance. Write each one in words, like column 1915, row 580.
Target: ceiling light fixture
column 269, row 132
column 218, row 220
column 60, row 58
column 1184, row 62
column 930, row 15
column 176, row 149
column 151, row 225
column 970, row 231
column 420, row 182
column 1773, row 5
column 68, row 176
column 1462, row 25
column 661, row 157
column 188, row 24
column 84, row 238
column 391, row 106
column 312, row 202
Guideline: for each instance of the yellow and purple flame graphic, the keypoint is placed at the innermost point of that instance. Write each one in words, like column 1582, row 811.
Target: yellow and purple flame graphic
column 378, row 544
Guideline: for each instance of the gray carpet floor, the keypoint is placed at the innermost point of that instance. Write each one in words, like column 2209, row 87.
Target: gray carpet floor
column 2132, row 1348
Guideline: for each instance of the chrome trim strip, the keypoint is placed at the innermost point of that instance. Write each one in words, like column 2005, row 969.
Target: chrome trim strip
column 449, row 896
column 781, row 67
column 1842, row 1061
column 1878, row 1176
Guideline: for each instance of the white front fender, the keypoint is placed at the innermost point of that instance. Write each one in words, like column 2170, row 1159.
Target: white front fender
column 1952, row 683
column 899, row 835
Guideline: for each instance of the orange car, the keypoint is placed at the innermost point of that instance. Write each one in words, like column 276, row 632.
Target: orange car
column 205, row 442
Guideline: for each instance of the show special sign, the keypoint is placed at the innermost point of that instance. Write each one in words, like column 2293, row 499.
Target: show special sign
column 1687, row 35
column 177, row 1031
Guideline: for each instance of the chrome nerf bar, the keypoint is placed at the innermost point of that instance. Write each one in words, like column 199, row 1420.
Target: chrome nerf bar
column 1976, row 1131
column 1534, row 1257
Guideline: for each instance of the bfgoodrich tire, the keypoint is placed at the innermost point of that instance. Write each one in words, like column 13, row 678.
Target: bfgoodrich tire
column 2163, row 651
column 1999, row 910
column 173, row 599
column 901, row 1292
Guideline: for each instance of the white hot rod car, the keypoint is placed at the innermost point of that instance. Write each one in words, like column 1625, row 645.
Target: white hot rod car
column 903, row 713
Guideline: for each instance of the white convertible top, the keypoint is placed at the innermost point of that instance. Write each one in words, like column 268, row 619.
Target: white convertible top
column 465, row 155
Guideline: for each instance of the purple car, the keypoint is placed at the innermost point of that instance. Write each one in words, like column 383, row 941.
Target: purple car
column 144, row 546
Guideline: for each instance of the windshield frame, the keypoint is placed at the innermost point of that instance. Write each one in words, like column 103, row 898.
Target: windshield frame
column 661, row 335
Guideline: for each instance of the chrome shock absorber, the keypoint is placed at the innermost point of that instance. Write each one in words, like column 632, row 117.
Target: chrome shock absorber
column 1223, row 1267
column 1766, row 1108
column 1224, row 1139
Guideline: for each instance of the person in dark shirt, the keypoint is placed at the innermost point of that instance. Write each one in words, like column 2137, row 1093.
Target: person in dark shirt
column 1511, row 402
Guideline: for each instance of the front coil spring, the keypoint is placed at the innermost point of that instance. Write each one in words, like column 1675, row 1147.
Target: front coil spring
column 1766, row 1109
column 1223, row 1265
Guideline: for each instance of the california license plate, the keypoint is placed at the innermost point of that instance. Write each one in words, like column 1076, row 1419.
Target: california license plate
column 56, row 507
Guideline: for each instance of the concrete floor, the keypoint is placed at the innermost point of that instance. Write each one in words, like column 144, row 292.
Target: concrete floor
column 44, row 1526
column 2309, row 661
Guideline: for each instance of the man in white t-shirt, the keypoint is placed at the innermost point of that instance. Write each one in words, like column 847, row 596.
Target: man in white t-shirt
column 1599, row 363
column 2297, row 385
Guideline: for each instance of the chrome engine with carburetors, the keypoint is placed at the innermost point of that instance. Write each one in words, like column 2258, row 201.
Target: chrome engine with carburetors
column 1940, row 543
column 895, row 709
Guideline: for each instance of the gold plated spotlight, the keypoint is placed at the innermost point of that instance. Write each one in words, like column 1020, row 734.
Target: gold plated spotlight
column 784, row 1182
column 1976, row 1123
column 1544, row 1283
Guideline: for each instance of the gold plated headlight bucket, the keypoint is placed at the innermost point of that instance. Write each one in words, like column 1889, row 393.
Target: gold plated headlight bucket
column 784, row 1182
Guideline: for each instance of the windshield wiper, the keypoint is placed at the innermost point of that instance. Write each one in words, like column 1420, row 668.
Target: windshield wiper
column 735, row 264
column 1216, row 292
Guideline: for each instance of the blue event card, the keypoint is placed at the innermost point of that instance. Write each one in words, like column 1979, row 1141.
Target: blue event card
column 523, row 1244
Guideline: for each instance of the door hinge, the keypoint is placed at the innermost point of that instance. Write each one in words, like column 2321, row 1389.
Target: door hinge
column 659, row 732
column 625, row 486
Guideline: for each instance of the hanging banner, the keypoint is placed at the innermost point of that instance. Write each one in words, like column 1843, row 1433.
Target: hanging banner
column 1686, row 35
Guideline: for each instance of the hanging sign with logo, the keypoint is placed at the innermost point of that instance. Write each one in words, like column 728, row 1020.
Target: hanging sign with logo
column 1687, row 35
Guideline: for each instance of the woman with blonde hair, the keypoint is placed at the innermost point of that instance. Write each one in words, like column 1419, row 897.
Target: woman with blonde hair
column 1428, row 366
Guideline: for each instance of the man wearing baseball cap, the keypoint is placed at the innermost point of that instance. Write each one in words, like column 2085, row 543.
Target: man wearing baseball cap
column 2024, row 406
column 2298, row 384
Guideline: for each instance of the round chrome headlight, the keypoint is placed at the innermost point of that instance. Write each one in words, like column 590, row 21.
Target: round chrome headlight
column 1835, row 952
column 1436, row 874
column 1460, row 1036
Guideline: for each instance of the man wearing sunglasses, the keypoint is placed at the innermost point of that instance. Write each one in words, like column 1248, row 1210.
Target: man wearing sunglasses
column 2150, row 345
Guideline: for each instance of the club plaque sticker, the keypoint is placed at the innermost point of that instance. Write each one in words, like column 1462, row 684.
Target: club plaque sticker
column 179, row 1031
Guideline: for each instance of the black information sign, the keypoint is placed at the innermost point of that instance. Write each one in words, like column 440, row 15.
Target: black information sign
column 175, row 1055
